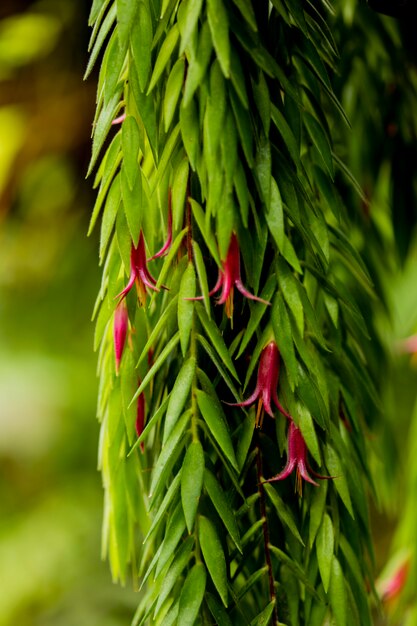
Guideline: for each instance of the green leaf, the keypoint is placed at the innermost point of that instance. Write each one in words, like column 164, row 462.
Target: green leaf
column 305, row 422
column 179, row 192
column 213, row 554
column 187, row 20
column 179, row 395
column 192, row 595
column 317, row 507
column 324, row 549
column 287, row 135
column 141, row 43
column 295, row 568
column 101, row 129
column 169, row 579
column 289, row 286
column 162, row 509
column 263, row 169
column 192, row 482
column 202, row 275
column 130, row 145
column 247, row 12
column 190, row 131
column 172, row 446
column 320, row 140
column 109, row 215
column 146, row 108
column 213, row 416
column 164, row 56
column 163, row 322
column 275, row 216
column 283, row 337
column 101, row 38
column 217, row 611
column 257, row 313
column 335, row 468
column 216, row 339
column 283, row 511
column 264, row 618
column 186, row 307
column 198, row 64
column 173, row 533
column 172, row 91
column 132, row 204
column 219, row 26
column 337, row 594
column 158, row 364
column 126, row 10
column 222, row 506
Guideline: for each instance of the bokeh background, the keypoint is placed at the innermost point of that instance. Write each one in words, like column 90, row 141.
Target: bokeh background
column 50, row 491
column 51, row 573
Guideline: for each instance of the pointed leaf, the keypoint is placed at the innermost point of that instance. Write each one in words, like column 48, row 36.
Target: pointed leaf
column 324, row 549
column 192, row 482
column 179, row 395
column 215, row 420
column 192, row 595
column 222, row 506
column 186, row 307
column 213, row 554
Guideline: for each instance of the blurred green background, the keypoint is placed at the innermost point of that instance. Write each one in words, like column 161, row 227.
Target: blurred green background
column 50, row 490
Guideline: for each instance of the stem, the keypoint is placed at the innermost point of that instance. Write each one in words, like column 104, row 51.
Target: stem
column 265, row 529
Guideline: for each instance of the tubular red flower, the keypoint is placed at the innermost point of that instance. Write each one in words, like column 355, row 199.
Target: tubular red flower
column 266, row 385
column 297, row 460
column 139, row 273
column 121, row 321
column 229, row 278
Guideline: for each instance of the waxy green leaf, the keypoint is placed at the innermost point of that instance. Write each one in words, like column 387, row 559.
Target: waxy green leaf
column 213, row 554
column 192, row 482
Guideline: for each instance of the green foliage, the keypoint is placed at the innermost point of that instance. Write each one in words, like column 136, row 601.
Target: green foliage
column 229, row 117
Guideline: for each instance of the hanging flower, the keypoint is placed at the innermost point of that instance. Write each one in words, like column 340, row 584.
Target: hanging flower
column 266, row 385
column 297, row 460
column 139, row 273
column 229, row 278
column 120, row 325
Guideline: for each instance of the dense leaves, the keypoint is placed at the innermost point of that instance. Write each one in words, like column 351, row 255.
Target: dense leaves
column 226, row 154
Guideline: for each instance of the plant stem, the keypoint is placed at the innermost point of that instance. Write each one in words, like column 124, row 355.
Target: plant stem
column 265, row 529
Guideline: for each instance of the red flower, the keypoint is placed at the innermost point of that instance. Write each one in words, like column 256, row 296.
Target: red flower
column 266, row 384
column 121, row 321
column 391, row 588
column 297, row 460
column 139, row 272
column 229, row 278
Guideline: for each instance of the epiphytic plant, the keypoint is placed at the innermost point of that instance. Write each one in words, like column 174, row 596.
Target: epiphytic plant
column 222, row 148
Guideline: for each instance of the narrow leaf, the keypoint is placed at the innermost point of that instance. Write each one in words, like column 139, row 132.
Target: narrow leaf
column 213, row 554
column 191, row 482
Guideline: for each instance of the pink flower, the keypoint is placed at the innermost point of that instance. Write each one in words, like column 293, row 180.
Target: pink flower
column 120, row 119
column 168, row 241
column 139, row 273
column 229, row 278
column 121, row 321
column 266, row 384
column 392, row 587
column 140, row 418
column 297, row 460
